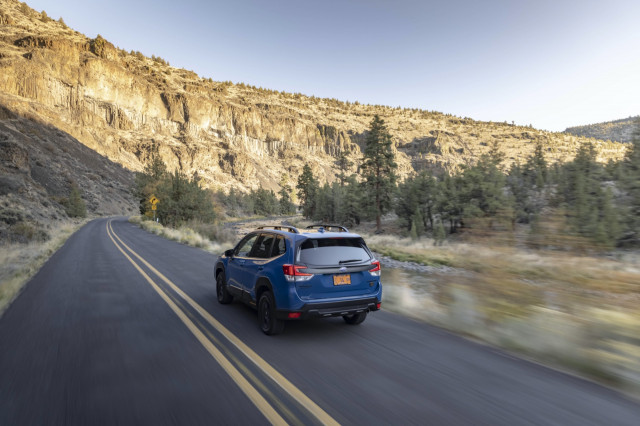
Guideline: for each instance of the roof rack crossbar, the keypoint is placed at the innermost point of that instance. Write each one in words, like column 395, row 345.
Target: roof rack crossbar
column 291, row 229
column 339, row 228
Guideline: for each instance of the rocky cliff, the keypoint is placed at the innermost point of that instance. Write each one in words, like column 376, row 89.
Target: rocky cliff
column 120, row 104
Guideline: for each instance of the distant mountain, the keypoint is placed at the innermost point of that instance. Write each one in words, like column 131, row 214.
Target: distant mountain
column 618, row 130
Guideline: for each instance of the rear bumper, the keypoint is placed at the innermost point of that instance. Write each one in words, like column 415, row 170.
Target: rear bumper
column 332, row 309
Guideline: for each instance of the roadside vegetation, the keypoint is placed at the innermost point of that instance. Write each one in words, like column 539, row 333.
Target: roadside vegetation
column 209, row 237
column 573, row 310
column 20, row 261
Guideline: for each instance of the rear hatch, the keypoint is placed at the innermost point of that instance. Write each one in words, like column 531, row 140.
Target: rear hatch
column 338, row 267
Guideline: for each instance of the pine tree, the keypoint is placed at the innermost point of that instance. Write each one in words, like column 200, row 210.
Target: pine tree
column 146, row 183
column 417, row 221
column 413, row 233
column 286, row 204
column 407, row 201
column 482, row 187
column 352, row 202
column 439, row 233
column 307, row 188
column 75, row 205
column 378, row 168
column 344, row 165
column 608, row 226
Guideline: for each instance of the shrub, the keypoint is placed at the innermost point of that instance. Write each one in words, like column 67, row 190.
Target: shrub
column 44, row 17
column 75, row 205
column 24, row 232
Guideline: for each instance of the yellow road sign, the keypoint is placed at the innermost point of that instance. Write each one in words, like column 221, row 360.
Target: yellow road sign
column 153, row 200
column 154, row 207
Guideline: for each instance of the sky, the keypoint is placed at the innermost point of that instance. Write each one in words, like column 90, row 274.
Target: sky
column 550, row 63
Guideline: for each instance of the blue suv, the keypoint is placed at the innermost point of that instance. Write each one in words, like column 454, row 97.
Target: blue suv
column 286, row 274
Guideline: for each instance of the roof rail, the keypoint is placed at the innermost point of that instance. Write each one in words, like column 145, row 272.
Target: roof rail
column 330, row 228
column 291, row 229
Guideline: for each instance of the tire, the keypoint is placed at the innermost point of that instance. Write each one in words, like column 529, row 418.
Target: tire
column 269, row 324
column 355, row 318
column 221, row 290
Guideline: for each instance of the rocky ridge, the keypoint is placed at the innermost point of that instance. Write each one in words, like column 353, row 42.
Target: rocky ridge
column 617, row 130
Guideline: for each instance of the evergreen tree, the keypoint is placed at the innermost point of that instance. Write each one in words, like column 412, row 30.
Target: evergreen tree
column 482, row 186
column 351, row 208
column 146, row 183
column 182, row 200
column 344, row 165
column 413, row 232
column 307, row 187
column 75, row 206
column 407, row 201
column 591, row 211
column 448, row 202
column 378, row 168
column 265, row 202
column 439, row 233
column 324, row 202
column 417, row 222
column 536, row 167
column 608, row 230
column 286, row 204
column 427, row 192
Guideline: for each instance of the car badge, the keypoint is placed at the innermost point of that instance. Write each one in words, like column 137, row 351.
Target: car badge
column 343, row 269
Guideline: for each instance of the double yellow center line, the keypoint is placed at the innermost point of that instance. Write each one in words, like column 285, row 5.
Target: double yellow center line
column 208, row 342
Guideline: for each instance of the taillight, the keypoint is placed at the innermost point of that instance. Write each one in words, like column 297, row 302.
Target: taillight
column 376, row 269
column 293, row 273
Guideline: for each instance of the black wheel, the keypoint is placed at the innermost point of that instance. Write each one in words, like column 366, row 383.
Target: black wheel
column 269, row 324
column 355, row 318
column 221, row 289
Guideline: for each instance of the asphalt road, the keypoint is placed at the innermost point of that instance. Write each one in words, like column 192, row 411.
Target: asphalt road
column 123, row 327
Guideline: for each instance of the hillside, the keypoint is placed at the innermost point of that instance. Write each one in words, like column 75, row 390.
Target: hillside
column 618, row 130
column 80, row 93
column 38, row 166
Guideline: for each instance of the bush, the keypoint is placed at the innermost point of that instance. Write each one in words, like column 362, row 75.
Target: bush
column 98, row 46
column 25, row 232
column 75, row 205
column 44, row 17
column 26, row 10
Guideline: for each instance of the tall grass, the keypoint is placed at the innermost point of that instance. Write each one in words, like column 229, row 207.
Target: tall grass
column 187, row 235
column 19, row 262
column 578, row 311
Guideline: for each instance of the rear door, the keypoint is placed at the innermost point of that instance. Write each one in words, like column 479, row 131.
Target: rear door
column 340, row 268
column 255, row 263
column 236, row 267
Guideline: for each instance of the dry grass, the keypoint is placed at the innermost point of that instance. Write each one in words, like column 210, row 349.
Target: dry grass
column 184, row 235
column 19, row 262
column 577, row 311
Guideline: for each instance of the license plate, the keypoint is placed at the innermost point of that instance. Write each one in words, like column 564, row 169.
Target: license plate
column 341, row 279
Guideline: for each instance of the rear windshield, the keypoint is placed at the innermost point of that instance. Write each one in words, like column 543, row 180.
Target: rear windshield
column 333, row 251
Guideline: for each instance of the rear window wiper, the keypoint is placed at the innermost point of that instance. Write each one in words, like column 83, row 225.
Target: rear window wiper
column 349, row 261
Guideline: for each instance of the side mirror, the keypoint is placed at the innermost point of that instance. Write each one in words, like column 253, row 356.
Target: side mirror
column 228, row 253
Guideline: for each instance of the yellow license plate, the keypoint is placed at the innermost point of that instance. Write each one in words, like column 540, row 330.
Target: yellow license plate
column 341, row 279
